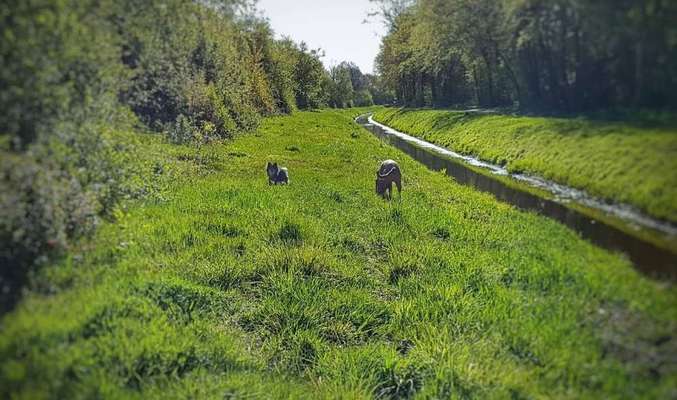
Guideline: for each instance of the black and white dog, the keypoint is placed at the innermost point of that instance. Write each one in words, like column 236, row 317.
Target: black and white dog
column 277, row 175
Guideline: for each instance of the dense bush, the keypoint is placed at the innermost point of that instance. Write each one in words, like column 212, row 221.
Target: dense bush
column 56, row 64
column 71, row 70
column 347, row 86
column 187, row 62
column 363, row 98
column 41, row 207
column 311, row 79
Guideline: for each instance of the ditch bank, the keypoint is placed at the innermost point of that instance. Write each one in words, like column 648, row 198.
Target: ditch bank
column 649, row 243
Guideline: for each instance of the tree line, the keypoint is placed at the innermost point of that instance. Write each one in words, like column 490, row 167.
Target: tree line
column 72, row 70
column 208, row 66
column 544, row 55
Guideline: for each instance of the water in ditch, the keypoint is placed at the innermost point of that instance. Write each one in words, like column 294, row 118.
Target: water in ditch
column 615, row 227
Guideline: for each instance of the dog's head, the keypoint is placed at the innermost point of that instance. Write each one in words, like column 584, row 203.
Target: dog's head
column 381, row 185
column 272, row 170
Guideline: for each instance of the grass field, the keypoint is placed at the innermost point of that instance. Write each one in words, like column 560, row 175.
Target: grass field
column 221, row 286
column 619, row 161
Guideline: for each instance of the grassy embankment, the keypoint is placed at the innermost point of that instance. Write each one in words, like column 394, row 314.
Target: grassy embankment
column 222, row 286
column 619, row 161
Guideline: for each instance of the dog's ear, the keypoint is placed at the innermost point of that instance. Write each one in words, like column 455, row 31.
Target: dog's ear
column 275, row 164
column 268, row 165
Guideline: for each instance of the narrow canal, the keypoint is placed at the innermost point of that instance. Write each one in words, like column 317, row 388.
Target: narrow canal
column 648, row 243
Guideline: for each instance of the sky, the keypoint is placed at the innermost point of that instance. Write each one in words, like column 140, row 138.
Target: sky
column 333, row 25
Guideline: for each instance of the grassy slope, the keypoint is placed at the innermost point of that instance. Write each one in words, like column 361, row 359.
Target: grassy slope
column 618, row 161
column 223, row 285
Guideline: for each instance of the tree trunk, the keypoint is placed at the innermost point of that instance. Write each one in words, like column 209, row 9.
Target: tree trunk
column 578, row 99
column 513, row 77
column 478, row 97
column 563, row 77
column 490, row 77
column 639, row 58
column 419, row 89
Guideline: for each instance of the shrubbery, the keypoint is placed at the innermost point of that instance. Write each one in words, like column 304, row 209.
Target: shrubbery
column 194, row 71
column 347, row 86
column 56, row 191
column 41, row 207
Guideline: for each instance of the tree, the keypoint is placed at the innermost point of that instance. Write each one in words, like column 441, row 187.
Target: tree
column 548, row 55
column 310, row 77
column 341, row 95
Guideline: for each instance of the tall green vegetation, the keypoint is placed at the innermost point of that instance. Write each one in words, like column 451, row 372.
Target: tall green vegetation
column 233, row 289
column 618, row 161
column 310, row 78
column 72, row 71
column 561, row 55
column 349, row 87
column 342, row 91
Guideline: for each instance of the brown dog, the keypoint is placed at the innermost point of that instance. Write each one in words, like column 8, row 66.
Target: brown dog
column 387, row 174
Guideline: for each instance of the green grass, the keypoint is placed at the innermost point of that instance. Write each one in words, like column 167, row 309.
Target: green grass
column 619, row 161
column 221, row 286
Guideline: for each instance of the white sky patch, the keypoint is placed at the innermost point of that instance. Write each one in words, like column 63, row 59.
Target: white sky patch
column 336, row 26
